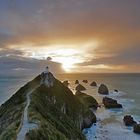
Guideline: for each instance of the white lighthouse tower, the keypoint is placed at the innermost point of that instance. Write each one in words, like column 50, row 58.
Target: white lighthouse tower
column 47, row 77
column 46, row 70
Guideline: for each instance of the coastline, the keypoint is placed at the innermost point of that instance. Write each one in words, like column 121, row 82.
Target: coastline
column 110, row 125
column 112, row 129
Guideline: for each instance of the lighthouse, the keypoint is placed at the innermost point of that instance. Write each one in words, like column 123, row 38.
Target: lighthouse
column 46, row 70
column 47, row 78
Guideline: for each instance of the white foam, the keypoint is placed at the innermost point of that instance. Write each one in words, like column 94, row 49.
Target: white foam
column 115, row 128
column 112, row 131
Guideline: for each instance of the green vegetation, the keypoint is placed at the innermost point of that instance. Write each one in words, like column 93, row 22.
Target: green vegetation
column 87, row 100
column 11, row 112
column 60, row 115
column 58, row 112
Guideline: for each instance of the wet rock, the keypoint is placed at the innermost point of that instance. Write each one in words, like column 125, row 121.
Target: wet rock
column 115, row 90
column 76, row 82
column 136, row 128
column 111, row 103
column 94, row 84
column 80, row 88
column 103, row 89
column 128, row 120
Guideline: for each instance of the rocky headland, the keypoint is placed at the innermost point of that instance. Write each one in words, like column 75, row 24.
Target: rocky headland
column 56, row 111
column 47, row 109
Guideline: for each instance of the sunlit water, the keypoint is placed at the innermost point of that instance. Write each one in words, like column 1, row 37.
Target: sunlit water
column 110, row 122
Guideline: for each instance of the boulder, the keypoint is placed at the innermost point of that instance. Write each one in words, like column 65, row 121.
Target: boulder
column 115, row 90
column 65, row 83
column 80, row 88
column 136, row 128
column 103, row 89
column 76, row 82
column 128, row 120
column 111, row 103
column 85, row 81
column 93, row 84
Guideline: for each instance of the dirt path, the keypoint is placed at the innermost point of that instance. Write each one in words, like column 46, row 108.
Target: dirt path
column 26, row 126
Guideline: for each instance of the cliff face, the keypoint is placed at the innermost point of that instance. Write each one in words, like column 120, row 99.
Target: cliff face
column 58, row 113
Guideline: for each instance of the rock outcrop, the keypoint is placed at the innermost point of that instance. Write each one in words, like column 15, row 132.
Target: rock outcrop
column 80, row 88
column 88, row 100
column 59, row 113
column 136, row 128
column 103, row 89
column 76, row 82
column 89, row 120
column 92, row 104
column 128, row 120
column 94, row 84
column 111, row 103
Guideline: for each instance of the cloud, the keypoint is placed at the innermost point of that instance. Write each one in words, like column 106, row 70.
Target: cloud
column 42, row 21
column 26, row 25
column 17, row 65
column 128, row 56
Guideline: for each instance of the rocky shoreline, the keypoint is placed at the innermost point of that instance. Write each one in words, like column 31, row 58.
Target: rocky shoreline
column 108, row 103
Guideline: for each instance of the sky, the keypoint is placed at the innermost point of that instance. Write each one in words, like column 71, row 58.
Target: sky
column 85, row 36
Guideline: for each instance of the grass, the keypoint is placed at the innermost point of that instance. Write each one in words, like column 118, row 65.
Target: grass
column 11, row 112
column 47, row 106
column 58, row 113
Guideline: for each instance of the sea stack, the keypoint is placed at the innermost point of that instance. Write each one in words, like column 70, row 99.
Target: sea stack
column 128, row 120
column 103, row 89
column 76, row 82
column 80, row 88
column 93, row 84
column 111, row 103
column 136, row 128
column 85, row 81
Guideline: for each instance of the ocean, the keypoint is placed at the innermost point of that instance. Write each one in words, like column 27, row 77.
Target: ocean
column 110, row 121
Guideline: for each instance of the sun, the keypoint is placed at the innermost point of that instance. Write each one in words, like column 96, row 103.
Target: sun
column 69, row 55
column 68, row 58
column 68, row 63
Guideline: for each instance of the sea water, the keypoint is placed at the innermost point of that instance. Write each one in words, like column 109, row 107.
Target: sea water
column 110, row 124
column 9, row 84
column 110, row 121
